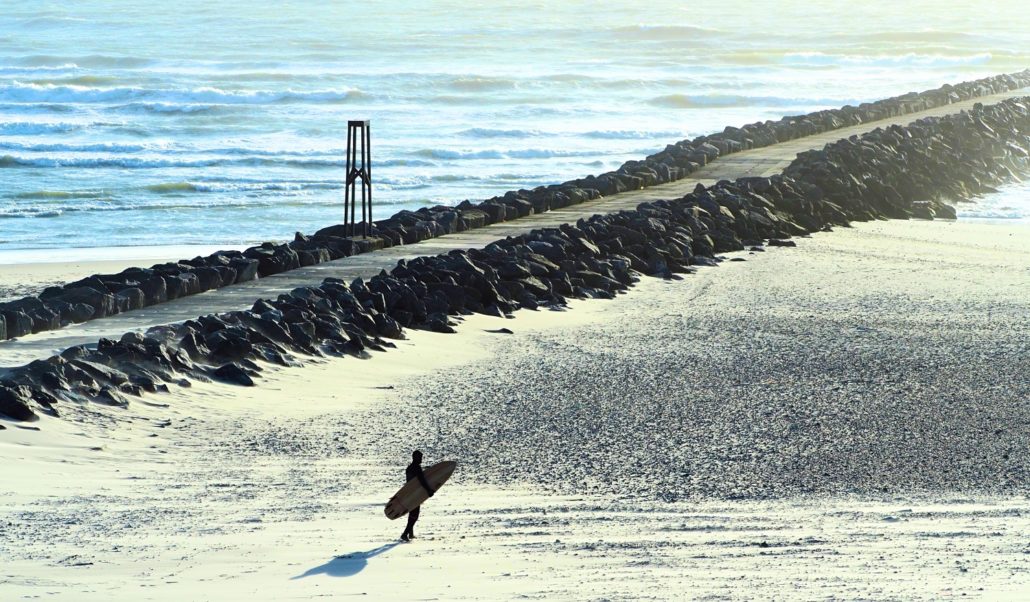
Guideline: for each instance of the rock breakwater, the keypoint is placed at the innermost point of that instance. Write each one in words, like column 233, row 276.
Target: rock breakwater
column 893, row 172
column 102, row 295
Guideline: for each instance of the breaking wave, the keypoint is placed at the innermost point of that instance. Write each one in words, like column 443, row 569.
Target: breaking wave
column 499, row 133
column 911, row 59
column 665, row 33
column 34, row 93
column 528, row 153
column 595, row 134
column 208, row 187
column 8, row 161
column 165, row 149
column 170, row 204
column 715, row 101
column 35, row 128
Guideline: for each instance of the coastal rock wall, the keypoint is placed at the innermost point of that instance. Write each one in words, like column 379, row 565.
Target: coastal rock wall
column 106, row 294
column 892, row 172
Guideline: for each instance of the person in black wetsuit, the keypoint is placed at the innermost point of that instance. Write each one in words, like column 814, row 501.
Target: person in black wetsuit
column 414, row 471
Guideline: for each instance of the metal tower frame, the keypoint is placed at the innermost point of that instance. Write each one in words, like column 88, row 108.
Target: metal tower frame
column 358, row 135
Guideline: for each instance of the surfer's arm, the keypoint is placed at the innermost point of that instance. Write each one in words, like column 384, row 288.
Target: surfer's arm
column 422, row 479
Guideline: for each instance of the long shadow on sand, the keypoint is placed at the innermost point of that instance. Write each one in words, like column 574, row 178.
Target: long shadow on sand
column 348, row 565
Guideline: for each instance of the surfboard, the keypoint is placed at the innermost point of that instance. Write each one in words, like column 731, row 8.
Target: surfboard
column 413, row 493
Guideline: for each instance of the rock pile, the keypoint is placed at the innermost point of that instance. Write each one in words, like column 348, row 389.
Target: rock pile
column 102, row 295
column 894, row 172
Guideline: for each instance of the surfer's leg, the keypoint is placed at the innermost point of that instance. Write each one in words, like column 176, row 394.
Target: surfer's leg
column 412, row 519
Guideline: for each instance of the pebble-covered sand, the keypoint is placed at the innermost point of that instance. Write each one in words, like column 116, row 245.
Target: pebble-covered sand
column 847, row 365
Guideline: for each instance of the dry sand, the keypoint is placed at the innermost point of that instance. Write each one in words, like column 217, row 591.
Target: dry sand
column 602, row 451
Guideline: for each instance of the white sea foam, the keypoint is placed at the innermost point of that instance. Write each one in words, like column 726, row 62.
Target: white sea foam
column 673, row 33
column 11, row 161
column 497, row 133
column 92, row 210
column 523, row 153
column 490, row 133
column 165, row 149
column 49, row 93
column 1010, row 203
column 34, row 128
column 911, row 59
column 178, row 188
column 701, row 101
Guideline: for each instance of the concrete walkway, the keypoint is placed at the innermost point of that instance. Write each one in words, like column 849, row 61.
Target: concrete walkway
column 758, row 162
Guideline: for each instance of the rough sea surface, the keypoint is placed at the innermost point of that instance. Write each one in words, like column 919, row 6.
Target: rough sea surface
column 206, row 122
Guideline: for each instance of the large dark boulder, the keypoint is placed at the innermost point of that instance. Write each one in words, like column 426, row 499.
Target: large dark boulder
column 388, row 327
column 181, row 285
column 15, row 402
column 550, row 251
column 229, row 343
column 335, row 231
column 514, row 270
column 103, row 303
column 193, row 346
column 234, row 374
column 129, row 299
column 45, row 318
column 208, row 278
column 99, row 372
column 155, row 290
column 18, row 323
column 111, row 396
column 42, row 316
column 273, row 259
column 450, row 221
column 94, row 282
column 226, row 274
column 535, row 286
column 944, row 211
column 313, row 256
column 923, row 210
column 246, row 268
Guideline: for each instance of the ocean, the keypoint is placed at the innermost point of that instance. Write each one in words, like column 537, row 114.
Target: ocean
column 130, row 122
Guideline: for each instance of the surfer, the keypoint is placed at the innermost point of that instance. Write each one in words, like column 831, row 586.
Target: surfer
column 414, row 471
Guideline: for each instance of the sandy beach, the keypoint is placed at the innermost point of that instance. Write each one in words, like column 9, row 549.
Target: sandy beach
column 714, row 301
column 842, row 420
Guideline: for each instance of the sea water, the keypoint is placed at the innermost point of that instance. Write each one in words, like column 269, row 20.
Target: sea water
column 132, row 122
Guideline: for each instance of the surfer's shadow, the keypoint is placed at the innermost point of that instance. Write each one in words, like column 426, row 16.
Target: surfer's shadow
column 348, row 565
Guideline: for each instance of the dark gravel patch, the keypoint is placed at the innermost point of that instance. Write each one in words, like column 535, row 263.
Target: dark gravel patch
column 791, row 376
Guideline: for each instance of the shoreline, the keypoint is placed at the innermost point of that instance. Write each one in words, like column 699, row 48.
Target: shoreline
column 753, row 216
column 542, row 267
column 532, row 267
column 276, row 481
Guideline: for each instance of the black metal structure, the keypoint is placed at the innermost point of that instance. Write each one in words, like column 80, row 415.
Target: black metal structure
column 359, row 140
